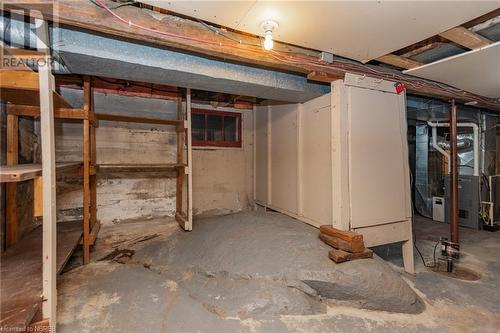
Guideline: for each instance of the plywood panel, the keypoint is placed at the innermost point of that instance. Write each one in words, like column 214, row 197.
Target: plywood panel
column 477, row 71
column 261, row 152
column 378, row 163
column 361, row 30
column 316, row 158
column 284, row 151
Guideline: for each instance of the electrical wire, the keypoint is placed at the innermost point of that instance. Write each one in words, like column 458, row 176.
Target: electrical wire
column 115, row 7
column 295, row 59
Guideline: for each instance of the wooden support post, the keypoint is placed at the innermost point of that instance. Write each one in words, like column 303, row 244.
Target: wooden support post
column 189, row 162
column 37, row 196
column 11, row 188
column 93, row 177
column 46, row 85
column 86, row 172
column 180, row 172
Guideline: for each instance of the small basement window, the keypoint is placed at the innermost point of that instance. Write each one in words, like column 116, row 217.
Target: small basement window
column 215, row 128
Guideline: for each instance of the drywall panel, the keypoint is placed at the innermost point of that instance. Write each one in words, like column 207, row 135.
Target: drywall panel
column 316, row 161
column 261, row 154
column 361, row 30
column 477, row 71
column 283, row 154
column 378, row 160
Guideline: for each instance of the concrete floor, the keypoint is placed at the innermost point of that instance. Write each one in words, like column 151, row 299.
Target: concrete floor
column 265, row 272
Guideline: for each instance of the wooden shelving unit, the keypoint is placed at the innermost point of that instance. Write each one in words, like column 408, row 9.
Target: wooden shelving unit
column 181, row 166
column 29, row 265
column 42, row 252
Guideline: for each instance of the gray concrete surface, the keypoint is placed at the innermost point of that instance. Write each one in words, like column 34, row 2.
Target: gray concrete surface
column 265, row 272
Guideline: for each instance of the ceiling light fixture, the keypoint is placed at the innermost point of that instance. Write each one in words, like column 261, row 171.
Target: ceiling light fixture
column 268, row 27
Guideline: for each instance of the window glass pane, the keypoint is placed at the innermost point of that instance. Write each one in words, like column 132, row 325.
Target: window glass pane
column 214, row 128
column 198, row 127
column 230, row 129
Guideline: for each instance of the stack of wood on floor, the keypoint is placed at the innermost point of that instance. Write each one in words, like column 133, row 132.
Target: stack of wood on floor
column 347, row 245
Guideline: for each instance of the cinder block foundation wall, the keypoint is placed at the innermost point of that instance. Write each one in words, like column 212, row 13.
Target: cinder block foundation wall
column 222, row 177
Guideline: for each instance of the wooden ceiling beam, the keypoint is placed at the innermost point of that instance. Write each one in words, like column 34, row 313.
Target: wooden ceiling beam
column 465, row 37
column 399, row 61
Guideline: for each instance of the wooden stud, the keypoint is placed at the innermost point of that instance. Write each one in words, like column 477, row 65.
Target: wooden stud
column 34, row 111
column 398, row 61
column 49, row 226
column 11, row 188
column 190, row 162
column 93, row 176
column 37, row 197
column 86, row 172
column 465, row 37
column 180, row 173
column 323, row 77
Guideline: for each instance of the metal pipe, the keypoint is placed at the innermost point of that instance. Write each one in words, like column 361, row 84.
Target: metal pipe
column 475, row 129
column 436, row 146
column 453, row 174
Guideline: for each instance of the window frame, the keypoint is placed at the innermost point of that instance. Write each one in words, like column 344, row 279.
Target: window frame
column 223, row 114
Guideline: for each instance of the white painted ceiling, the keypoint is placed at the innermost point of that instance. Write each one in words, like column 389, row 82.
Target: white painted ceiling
column 360, row 30
column 477, row 71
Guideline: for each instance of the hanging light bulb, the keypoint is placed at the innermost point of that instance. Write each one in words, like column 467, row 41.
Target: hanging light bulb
column 268, row 27
column 268, row 41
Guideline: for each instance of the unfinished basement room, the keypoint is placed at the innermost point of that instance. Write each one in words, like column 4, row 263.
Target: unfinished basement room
column 249, row 166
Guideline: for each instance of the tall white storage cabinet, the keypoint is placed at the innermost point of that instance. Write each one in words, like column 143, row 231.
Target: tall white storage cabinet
column 340, row 159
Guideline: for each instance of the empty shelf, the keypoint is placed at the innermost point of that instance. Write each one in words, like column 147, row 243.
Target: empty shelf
column 140, row 167
column 21, row 172
column 21, row 87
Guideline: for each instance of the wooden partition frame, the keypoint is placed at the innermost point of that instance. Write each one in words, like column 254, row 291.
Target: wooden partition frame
column 331, row 160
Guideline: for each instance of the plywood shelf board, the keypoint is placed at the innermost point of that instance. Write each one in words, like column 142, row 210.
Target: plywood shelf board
column 22, row 172
column 22, row 88
column 21, row 271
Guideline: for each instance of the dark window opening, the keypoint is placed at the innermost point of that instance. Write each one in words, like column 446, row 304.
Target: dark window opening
column 215, row 128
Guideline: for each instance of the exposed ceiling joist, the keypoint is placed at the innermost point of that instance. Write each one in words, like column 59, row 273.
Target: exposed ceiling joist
column 399, row 61
column 169, row 32
column 465, row 37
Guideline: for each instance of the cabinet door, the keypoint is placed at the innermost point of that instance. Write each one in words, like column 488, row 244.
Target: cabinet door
column 378, row 171
column 283, row 155
column 315, row 157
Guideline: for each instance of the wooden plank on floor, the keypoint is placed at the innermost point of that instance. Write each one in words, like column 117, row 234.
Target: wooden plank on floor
column 340, row 244
column 21, row 271
column 348, row 236
column 340, row 256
